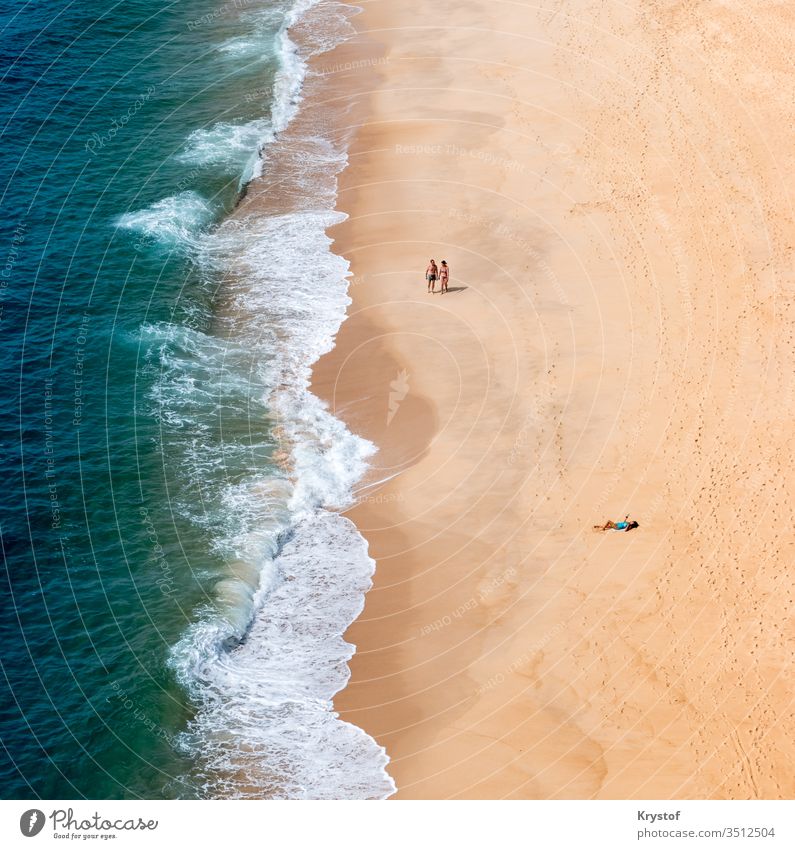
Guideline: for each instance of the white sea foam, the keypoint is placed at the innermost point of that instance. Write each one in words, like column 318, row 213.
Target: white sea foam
column 175, row 221
column 257, row 41
column 266, row 654
column 265, row 660
column 267, row 728
column 235, row 148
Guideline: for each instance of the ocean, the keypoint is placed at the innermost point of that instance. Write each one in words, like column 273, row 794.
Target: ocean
column 177, row 575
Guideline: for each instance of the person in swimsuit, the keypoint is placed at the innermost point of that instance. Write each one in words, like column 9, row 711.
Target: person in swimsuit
column 626, row 525
column 444, row 275
column 431, row 273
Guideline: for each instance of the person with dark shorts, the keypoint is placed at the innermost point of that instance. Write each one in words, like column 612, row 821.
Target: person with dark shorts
column 444, row 275
column 431, row 273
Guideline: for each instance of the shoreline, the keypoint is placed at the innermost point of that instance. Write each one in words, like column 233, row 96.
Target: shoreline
column 289, row 658
column 590, row 360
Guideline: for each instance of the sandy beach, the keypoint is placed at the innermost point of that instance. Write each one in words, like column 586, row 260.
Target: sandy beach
column 611, row 186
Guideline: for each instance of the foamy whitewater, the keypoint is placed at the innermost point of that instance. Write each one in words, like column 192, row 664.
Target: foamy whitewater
column 258, row 461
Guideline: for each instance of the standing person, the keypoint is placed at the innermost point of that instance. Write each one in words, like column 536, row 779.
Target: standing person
column 431, row 273
column 444, row 275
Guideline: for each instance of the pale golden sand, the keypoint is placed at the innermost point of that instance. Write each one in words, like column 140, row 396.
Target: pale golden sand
column 610, row 183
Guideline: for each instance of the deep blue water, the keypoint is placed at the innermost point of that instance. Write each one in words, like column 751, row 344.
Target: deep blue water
column 101, row 574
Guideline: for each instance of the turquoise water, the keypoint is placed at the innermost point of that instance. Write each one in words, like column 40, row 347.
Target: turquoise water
column 176, row 580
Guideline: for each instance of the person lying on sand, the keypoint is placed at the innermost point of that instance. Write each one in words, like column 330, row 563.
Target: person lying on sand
column 431, row 273
column 609, row 525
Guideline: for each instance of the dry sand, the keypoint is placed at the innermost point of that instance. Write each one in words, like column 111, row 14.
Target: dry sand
column 610, row 183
